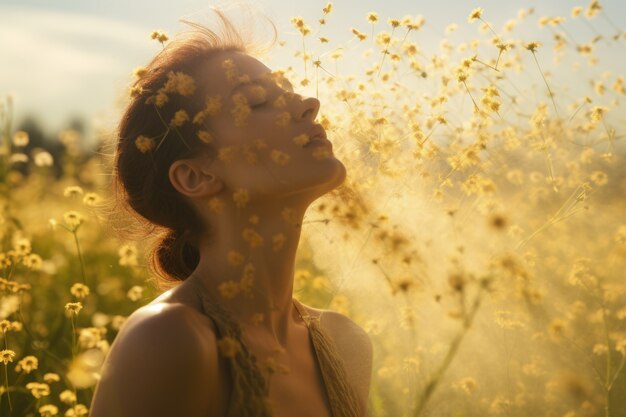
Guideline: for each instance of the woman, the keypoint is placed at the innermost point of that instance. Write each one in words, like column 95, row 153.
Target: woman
column 218, row 150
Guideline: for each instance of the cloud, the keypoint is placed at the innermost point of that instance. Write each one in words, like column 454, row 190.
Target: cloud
column 56, row 63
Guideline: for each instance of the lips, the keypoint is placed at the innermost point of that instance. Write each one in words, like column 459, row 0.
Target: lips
column 317, row 135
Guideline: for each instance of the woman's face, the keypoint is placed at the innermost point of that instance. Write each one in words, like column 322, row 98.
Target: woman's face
column 260, row 127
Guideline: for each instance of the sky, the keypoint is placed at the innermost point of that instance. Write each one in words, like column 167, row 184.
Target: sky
column 65, row 58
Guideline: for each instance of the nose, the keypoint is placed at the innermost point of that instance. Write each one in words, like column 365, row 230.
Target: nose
column 307, row 109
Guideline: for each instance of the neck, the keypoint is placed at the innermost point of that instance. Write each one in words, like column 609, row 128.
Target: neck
column 247, row 265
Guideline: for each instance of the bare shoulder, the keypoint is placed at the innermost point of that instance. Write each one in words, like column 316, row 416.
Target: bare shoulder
column 354, row 346
column 157, row 365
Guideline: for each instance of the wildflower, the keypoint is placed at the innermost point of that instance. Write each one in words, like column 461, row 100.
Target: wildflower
column 372, row 17
column 253, row 238
column 180, row 118
column 67, row 397
column 78, row 410
column 216, row 205
column 358, row 34
column 48, row 410
column 532, row 46
column 599, row 178
column 468, row 385
column 144, row 143
column 159, row 36
column 234, row 258
column 128, row 255
column 597, row 113
column 301, row 139
column 51, row 377
column 241, row 197
column 27, row 364
column 328, row 8
column 241, row 109
column 5, row 326
column 475, row 14
column 140, row 72
column 20, row 138
column 281, row 158
column 73, row 308
column 283, row 119
column 38, row 389
column 43, row 159
column 227, row 153
column 228, row 289
column 135, row 293
column 79, row 290
column 299, row 24
column 73, row 219
column 6, row 356
column 179, row 82
column 205, row 136
column 91, row 199
column 278, row 241
column 136, row 91
column 228, row 346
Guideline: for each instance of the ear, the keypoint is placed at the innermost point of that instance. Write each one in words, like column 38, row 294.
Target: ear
column 188, row 178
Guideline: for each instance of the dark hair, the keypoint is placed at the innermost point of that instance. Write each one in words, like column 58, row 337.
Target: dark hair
column 140, row 183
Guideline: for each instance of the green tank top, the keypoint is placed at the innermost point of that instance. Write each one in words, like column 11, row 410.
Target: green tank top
column 248, row 392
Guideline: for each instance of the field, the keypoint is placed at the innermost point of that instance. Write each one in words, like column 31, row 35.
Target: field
column 479, row 238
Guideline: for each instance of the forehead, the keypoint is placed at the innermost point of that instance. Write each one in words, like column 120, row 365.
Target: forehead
column 227, row 69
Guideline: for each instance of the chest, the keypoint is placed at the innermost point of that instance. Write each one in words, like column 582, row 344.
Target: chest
column 296, row 385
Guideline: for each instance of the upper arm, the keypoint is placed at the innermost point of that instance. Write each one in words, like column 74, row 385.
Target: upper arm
column 157, row 367
column 356, row 351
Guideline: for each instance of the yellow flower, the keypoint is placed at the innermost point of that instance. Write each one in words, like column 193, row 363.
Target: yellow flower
column 51, row 377
column 234, row 258
column 79, row 290
column 252, row 237
column 301, row 139
column 159, row 36
column 78, row 410
column 475, row 14
column 27, row 364
column 73, row 308
column 213, row 105
column 228, row 346
column 372, row 17
column 205, row 136
column 91, row 199
column 281, row 158
column 278, row 241
column 135, row 293
column 532, row 46
column 48, row 410
column 328, row 8
column 67, row 397
column 73, row 219
column 283, row 119
column 241, row 197
column 179, row 82
column 144, row 143
column 20, row 138
column 228, row 289
column 597, row 113
column 72, row 191
column 179, row 119
column 359, row 34
column 216, row 205
column 139, row 72
column 227, row 153
column 7, row 356
column 241, row 110
column 38, row 389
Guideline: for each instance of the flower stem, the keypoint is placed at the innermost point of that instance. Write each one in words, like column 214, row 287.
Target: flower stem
column 80, row 257
column 546, row 82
